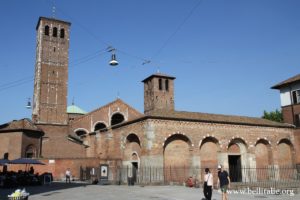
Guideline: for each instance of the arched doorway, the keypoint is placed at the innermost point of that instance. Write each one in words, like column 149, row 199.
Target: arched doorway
column 131, row 155
column 177, row 158
column 237, row 150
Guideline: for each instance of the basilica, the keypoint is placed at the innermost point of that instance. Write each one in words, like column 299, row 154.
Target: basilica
column 118, row 135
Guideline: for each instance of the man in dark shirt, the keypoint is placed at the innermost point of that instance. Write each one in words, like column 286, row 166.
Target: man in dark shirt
column 224, row 181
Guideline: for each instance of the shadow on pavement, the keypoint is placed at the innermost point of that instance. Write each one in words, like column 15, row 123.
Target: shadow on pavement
column 48, row 189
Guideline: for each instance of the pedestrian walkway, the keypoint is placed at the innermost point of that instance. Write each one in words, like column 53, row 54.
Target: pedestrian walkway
column 76, row 191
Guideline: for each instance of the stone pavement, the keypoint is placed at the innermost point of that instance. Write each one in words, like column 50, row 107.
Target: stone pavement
column 76, row 191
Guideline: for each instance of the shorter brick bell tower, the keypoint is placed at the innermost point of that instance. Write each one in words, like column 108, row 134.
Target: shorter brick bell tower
column 158, row 93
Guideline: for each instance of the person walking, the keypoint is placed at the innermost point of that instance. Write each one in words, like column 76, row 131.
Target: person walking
column 208, row 184
column 223, row 181
column 68, row 175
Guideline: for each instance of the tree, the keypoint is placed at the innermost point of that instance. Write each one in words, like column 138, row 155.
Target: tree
column 273, row 116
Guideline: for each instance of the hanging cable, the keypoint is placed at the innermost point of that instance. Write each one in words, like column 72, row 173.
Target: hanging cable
column 177, row 29
column 107, row 44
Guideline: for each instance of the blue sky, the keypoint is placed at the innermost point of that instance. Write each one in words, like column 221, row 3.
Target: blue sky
column 225, row 54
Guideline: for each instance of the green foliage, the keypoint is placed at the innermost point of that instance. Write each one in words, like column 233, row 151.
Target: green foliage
column 273, row 116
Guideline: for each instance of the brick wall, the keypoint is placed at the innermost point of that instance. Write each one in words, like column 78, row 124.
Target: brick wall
column 57, row 145
column 154, row 134
column 11, row 143
column 287, row 113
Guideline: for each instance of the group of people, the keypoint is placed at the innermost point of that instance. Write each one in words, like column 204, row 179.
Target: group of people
column 10, row 179
column 223, row 183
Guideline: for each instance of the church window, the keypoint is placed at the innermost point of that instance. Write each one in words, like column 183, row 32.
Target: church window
column 117, row 118
column 62, row 33
column 47, row 30
column 296, row 96
column 160, row 84
column 100, row 126
column 54, row 32
column 80, row 133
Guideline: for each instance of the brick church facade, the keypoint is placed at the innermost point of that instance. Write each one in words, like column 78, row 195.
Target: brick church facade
column 119, row 135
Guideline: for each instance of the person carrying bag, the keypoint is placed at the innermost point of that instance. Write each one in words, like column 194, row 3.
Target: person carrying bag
column 208, row 183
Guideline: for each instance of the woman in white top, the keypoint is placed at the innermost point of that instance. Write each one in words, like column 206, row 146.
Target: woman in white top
column 208, row 183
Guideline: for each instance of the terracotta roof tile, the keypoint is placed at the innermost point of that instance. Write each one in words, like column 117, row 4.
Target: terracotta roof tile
column 23, row 124
column 217, row 118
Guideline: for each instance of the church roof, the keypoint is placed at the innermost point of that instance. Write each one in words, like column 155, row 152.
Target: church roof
column 51, row 19
column 217, row 118
column 19, row 125
column 75, row 110
column 209, row 118
column 287, row 82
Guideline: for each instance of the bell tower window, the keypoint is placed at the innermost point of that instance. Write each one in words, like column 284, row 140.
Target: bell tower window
column 160, row 84
column 54, row 32
column 167, row 85
column 62, row 33
column 47, row 30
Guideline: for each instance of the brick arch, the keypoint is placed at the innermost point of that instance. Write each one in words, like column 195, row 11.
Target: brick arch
column 177, row 157
column 79, row 131
column 209, row 148
column 237, row 144
column 97, row 124
column 211, row 139
column 174, row 136
column 264, row 140
column 115, row 120
column 177, row 144
column 286, row 152
column 30, row 151
column 132, row 146
column 263, row 154
column 132, row 137
column 237, row 150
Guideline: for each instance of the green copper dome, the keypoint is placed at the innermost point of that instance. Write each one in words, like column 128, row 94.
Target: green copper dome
column 75, row 110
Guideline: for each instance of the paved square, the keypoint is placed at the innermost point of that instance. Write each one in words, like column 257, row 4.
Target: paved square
column 76, row 191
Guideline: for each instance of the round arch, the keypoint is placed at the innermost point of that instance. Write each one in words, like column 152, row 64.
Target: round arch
column 132, row 145
column 117, row 118
column 30, row 151
column 237, row 150
column 209, row 139
column 80, row 132
column 209, row 148
column 100, row 125
column 177, row 157
column 263, row 153
column 237, row 145
column 133, row 138
column 176, row 136
column 286, row 152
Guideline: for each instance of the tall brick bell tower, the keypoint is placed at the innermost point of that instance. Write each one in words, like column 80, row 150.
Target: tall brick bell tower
column 158, row 93
column 51, row 72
